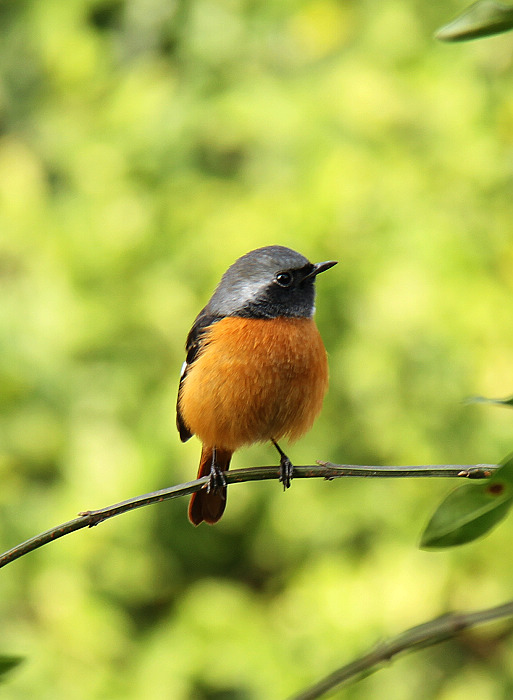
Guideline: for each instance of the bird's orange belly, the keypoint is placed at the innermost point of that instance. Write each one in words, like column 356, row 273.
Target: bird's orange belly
column 255, row 380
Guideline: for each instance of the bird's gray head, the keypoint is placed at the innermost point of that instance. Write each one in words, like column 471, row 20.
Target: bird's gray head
column 267, row 283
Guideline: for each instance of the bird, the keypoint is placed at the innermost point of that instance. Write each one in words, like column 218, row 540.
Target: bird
column 256, row 368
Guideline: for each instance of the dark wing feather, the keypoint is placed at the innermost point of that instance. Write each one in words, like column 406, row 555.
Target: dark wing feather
column 193, row 345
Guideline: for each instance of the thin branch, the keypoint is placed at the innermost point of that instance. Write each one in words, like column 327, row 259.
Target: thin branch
column 425, row 635
column 324, row 470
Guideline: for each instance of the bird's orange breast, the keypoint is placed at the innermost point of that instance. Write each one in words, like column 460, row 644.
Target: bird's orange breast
column 255, row 380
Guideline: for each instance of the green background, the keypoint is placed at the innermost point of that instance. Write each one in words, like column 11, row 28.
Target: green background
column 146, row 144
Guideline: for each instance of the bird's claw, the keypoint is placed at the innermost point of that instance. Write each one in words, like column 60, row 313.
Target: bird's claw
column 217, row 479
column 286, row 471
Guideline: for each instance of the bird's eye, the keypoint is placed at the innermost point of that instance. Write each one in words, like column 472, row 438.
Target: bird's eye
column 284, row 279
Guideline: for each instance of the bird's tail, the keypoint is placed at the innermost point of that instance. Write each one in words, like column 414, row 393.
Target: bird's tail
column 205, row 506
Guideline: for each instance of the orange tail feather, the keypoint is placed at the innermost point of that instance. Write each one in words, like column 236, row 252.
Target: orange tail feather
column 204, row 506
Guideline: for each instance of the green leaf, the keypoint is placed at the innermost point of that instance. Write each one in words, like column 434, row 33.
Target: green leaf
column 471, row 511
column 504, row 473
column 483, row 18
column 7, row 663
column 496, row 402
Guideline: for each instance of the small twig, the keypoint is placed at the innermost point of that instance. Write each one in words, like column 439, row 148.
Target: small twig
column 325, row 470
column 425, row 635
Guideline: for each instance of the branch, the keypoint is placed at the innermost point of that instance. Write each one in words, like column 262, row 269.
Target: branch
column 425, row 635
column 325, row 470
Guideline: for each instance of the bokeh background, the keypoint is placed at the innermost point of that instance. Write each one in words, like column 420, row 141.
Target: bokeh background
column 144, row 145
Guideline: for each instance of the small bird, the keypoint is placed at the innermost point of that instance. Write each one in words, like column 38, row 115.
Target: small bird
column 256, row 368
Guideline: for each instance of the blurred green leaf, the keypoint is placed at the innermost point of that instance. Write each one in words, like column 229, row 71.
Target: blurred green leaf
column 7, row 663
column 483, row 18
column 497, row 402
column 470, row 511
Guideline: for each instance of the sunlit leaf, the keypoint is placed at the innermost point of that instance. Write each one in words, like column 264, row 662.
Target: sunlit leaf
column 483, row 18
column 470, row 511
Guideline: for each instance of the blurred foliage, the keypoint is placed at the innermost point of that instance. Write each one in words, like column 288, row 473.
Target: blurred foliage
column 7, row 663
column 144, row 145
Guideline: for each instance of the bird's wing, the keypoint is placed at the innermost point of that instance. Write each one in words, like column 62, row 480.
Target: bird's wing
column 194, row 344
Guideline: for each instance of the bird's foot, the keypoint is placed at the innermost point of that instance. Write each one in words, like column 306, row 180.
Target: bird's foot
column 286, row 467
column 286, row 472
column 217, row 479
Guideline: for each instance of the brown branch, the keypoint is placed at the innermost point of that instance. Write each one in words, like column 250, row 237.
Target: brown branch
column 325, row 470
column 425, row 635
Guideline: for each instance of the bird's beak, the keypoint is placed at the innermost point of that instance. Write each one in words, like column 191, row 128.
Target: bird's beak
column 320, row 267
